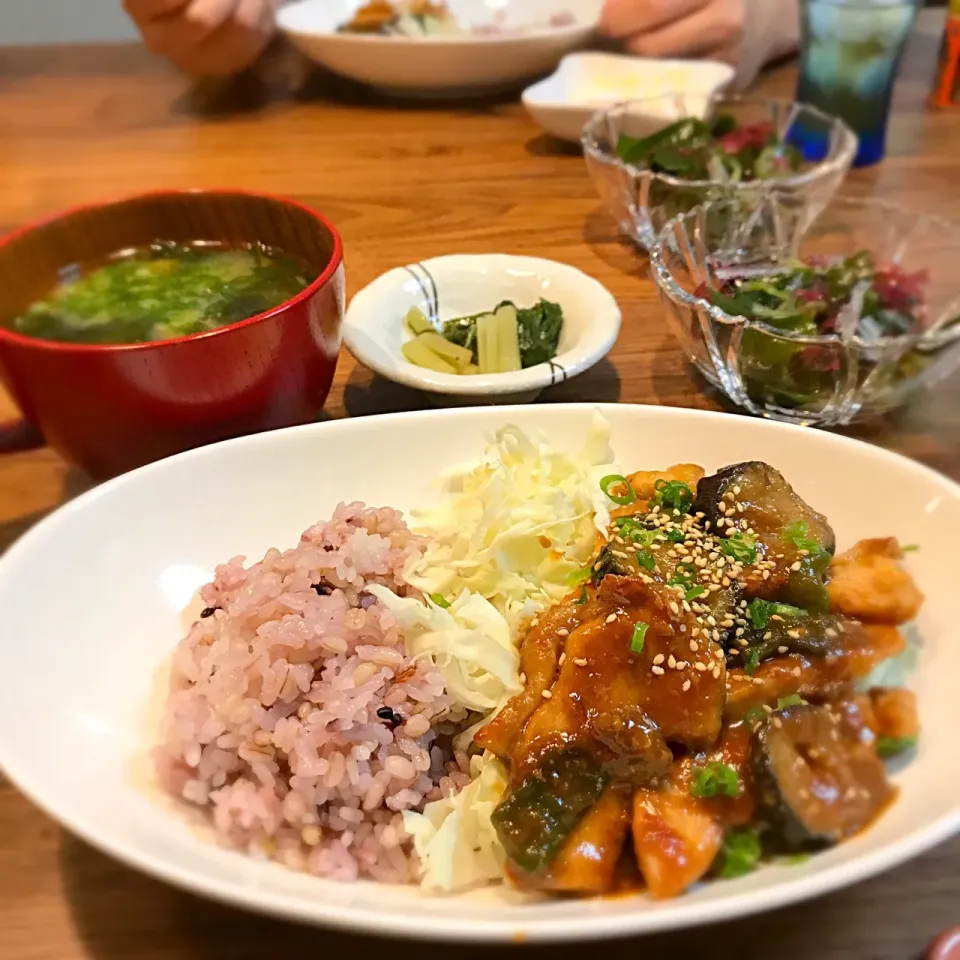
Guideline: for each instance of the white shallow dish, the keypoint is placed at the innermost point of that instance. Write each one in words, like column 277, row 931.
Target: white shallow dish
column 586, row 82
column 92, row 600
column 442, row 65
column 465, row 285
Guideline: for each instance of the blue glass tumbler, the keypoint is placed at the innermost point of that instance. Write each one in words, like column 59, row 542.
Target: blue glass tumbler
column 850, row 54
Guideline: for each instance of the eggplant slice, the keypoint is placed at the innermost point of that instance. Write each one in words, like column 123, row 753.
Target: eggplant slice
column 817, row 783
column 770, row 503
column 533, row 823
column 786, row 529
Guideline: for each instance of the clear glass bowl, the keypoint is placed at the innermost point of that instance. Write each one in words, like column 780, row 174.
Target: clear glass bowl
column 844, row 375
column 641, row 201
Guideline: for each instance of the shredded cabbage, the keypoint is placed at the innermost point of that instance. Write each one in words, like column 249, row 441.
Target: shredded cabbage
column 470, row 642
column 454, row 838
column 512, row 529
column 517, row 523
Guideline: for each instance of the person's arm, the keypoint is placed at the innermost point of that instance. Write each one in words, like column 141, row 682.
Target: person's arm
column 771, row 30
column 206, row 38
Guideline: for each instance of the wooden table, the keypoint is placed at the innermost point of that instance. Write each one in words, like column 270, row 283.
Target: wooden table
column 402, row 182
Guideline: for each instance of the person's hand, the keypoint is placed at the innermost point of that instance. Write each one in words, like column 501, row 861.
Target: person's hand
column 677, row 28
column 212, row 38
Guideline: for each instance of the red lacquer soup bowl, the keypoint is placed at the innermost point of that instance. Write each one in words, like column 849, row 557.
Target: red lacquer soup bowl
column 114, row 407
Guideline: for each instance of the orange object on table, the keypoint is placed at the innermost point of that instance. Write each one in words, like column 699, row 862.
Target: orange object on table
column 947, row 947
column 947, row 90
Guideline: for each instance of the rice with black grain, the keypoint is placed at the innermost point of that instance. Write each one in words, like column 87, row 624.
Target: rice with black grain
column 272, row 721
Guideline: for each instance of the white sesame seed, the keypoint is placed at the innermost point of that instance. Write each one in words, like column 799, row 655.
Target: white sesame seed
column 562, row 660
column 795, row 634
column 757, row 681
column 702, row 667
column 658, row 659
column 535, row 622
column 686, row 686
column 563, row 632
column 580, row 661
column 659, row 671
column 674, row 608
column 795, row 566
column 672, row 662
column 694, row 646
column 523, row 678
column 777, row 722
column 796, row 671
column 611, row 618
column 716, row 672
column 546, row 694
column 782, row 649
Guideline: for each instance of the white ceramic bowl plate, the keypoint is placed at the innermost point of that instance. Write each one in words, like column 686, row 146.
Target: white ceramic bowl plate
column 465, row 285
column 92, row 601
column 587, row 82
column 442, row 65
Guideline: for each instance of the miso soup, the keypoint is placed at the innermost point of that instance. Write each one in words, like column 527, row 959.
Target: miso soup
column 162, row 291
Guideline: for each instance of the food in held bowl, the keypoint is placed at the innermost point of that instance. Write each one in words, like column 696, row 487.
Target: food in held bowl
column 503, row 340
column 424, row 18
column 563, row 678
column 723, row 150
column 852, row 296
column 162, row 291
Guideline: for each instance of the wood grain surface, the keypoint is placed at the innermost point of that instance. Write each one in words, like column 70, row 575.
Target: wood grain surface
column 402, row 182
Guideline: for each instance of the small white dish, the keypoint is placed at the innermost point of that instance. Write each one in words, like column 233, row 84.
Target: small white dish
column 95, row 598
column 464, row 285
column 586, row 82
column 445, row 65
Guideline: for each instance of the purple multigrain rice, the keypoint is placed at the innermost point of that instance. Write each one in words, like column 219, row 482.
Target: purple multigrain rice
column 275, row 719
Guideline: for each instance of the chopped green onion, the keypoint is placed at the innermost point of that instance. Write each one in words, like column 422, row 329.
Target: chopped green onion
column 792, row 701
column 743, row 549
column 582, row 599
column 787, row 610
column 892, row 746
column 579, row 576
column 633, row 529
column 752, row 661
column 796, row 533
column 910, row 548
column 683, row 576
column 614, row 479
column 740, row 853
column 715, row 780
column 673, row 495
column 639, row 634
column 760, row 611
column 646, row 559
column 439, row 601
column 693, row 593
column 795, row 859
column 754, row 714
column 676, row 536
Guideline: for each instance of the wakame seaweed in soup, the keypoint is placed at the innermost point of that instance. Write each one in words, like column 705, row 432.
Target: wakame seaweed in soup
column 163, row 291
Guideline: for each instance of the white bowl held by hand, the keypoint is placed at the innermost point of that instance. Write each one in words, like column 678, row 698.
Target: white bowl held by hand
column 586, row 82
column 503, row 42
column 464, row 285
